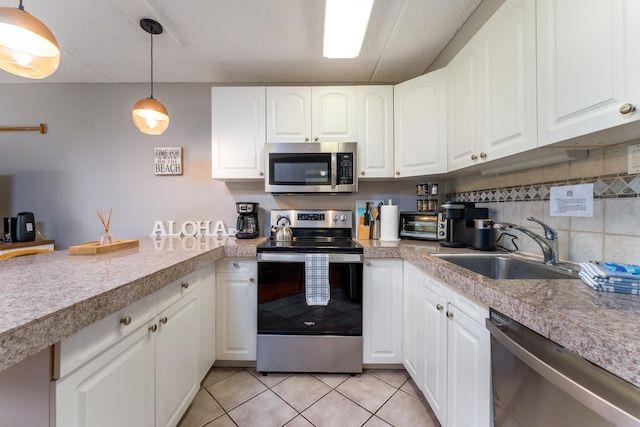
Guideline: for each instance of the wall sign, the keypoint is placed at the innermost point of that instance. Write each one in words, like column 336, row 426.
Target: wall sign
column 167, row 160
column 572, row 200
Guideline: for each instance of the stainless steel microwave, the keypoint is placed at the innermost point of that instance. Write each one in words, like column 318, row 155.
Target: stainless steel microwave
column 311, row 167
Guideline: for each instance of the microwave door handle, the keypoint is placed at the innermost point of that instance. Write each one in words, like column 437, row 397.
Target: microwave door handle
column 334, row 169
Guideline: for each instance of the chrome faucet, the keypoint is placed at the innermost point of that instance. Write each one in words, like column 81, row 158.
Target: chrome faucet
column 548, row 242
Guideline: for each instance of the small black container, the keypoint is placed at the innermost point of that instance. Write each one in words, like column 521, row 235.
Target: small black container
column 484, row 235
column 25, row 227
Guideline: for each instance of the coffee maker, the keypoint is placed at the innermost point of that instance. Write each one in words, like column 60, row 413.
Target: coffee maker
column 456, row 223
column 247, row 224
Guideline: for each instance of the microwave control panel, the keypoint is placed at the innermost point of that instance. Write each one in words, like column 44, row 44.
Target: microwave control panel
column 345, row 168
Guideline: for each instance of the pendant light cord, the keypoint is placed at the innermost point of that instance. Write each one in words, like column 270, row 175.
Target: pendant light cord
column 151, row 64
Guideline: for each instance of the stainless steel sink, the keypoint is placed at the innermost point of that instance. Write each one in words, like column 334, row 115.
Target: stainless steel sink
column 508, row 267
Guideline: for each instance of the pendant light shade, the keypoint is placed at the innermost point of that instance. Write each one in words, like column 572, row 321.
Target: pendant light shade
column 149, row 115
column 27, row 47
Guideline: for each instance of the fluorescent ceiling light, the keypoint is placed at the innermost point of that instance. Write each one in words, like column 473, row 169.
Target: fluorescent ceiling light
column 345, row 24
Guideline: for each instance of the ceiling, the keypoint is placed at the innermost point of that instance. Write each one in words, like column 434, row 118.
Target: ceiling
column 239, row 41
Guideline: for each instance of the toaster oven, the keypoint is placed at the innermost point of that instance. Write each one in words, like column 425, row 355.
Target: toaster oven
column 419, row 225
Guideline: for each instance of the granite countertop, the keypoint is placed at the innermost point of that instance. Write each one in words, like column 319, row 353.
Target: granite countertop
column 48, row 297
column 602, row 327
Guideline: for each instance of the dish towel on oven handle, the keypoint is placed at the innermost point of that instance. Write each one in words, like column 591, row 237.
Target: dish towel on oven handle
column 317, row 279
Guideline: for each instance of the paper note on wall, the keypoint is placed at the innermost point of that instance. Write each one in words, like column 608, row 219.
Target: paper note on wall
column 572, row 200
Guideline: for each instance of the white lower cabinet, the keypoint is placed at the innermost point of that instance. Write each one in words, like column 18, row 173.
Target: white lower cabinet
column 137, row 367
column 236, row 309
column 451, row 358
column 382, row 311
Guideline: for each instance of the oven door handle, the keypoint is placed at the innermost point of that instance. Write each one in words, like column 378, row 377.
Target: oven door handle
column 297, row 257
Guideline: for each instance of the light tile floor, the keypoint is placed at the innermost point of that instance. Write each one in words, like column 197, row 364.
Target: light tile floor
column 242, row 397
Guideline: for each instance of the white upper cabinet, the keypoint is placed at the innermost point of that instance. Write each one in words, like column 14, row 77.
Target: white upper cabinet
column 237, row 132
column 288, row 114
column 492, row 89
column 311, row 114
column 375, row 131
column 588, row 66
column 420, row 125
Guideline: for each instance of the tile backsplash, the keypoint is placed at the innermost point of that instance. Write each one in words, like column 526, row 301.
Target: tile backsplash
column 612, row 233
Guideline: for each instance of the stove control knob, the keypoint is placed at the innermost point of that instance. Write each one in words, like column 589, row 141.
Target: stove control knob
column 343, row 217
column 335, row 217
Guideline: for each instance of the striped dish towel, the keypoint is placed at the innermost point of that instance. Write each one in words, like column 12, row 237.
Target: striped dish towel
column 601, row 278
column 317, row 279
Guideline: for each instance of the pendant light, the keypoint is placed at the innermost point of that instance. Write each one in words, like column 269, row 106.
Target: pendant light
column 149, row 115
column 27, row 47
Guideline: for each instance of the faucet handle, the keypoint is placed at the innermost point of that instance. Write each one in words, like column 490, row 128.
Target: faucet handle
column 549, row 232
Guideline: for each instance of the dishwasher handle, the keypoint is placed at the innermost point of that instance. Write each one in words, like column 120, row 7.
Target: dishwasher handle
column 606, row 394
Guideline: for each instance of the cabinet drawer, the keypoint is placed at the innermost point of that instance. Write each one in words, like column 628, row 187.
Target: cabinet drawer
column 85, row 344
column 475, row 310
column 177, row 289
column 237, row 265
column 436, row 287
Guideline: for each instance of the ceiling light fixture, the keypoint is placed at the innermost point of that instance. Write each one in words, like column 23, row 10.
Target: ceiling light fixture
column 149, row 115
column 345, row 24
column 27, row 47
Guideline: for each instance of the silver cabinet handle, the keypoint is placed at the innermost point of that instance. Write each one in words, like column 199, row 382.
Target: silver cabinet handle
column 362, row 173
column 449, row 315
column 236, row 265
column 306, row 139
column 185, row 285
column 439, row 307
column 126, row 320
column 252, row 280
column 483, row 155
column 164, row 320
column 368, row 263
column 397, row 172
column 474, row 157
column 315, row 139
column 627, row 108
column 153, row 328
column 260, row 173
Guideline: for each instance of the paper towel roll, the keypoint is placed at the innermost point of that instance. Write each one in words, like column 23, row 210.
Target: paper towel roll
column 389, row 223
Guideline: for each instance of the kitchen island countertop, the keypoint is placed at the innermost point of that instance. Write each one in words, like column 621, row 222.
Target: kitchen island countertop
column 48, row 297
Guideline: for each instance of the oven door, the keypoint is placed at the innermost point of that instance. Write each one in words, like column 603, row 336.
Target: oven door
column 282, row 308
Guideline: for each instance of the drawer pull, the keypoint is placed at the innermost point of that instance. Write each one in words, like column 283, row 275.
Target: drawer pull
column 153, row 328
column 236, row 265
column 627, row 108
column 126, row 321
column 252, row 280
column 164, row 320
column 449, row 315
column 439, row 307
column 483, row 155
column 185, row 285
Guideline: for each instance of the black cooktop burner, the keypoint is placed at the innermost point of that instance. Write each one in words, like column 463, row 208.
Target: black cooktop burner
column 312, row 246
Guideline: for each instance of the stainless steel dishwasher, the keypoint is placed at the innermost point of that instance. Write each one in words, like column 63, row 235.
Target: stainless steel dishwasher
column 537, row 383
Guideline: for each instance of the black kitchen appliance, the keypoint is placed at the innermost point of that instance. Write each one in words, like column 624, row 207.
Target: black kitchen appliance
column 247, row 223
column 294, row 336
column 456, row 223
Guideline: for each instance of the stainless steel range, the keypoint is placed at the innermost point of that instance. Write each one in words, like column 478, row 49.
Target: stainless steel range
column 310, row 295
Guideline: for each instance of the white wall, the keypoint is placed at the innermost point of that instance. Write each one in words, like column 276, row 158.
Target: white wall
column 92, row 156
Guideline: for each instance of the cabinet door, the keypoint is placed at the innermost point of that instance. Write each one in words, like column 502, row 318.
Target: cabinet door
column 464, row 100
column 207, row 319
column 115, row 388
column 382, row 311
column 434, row 380
column 288, row 114
column 375, row 131
column 237, row 132
column 469, row 371
column 420, row 125
column 507, row 44
column 236, row 316
column 177, row 380
column 412, row 338
column 333, row 114
column 588, row 66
